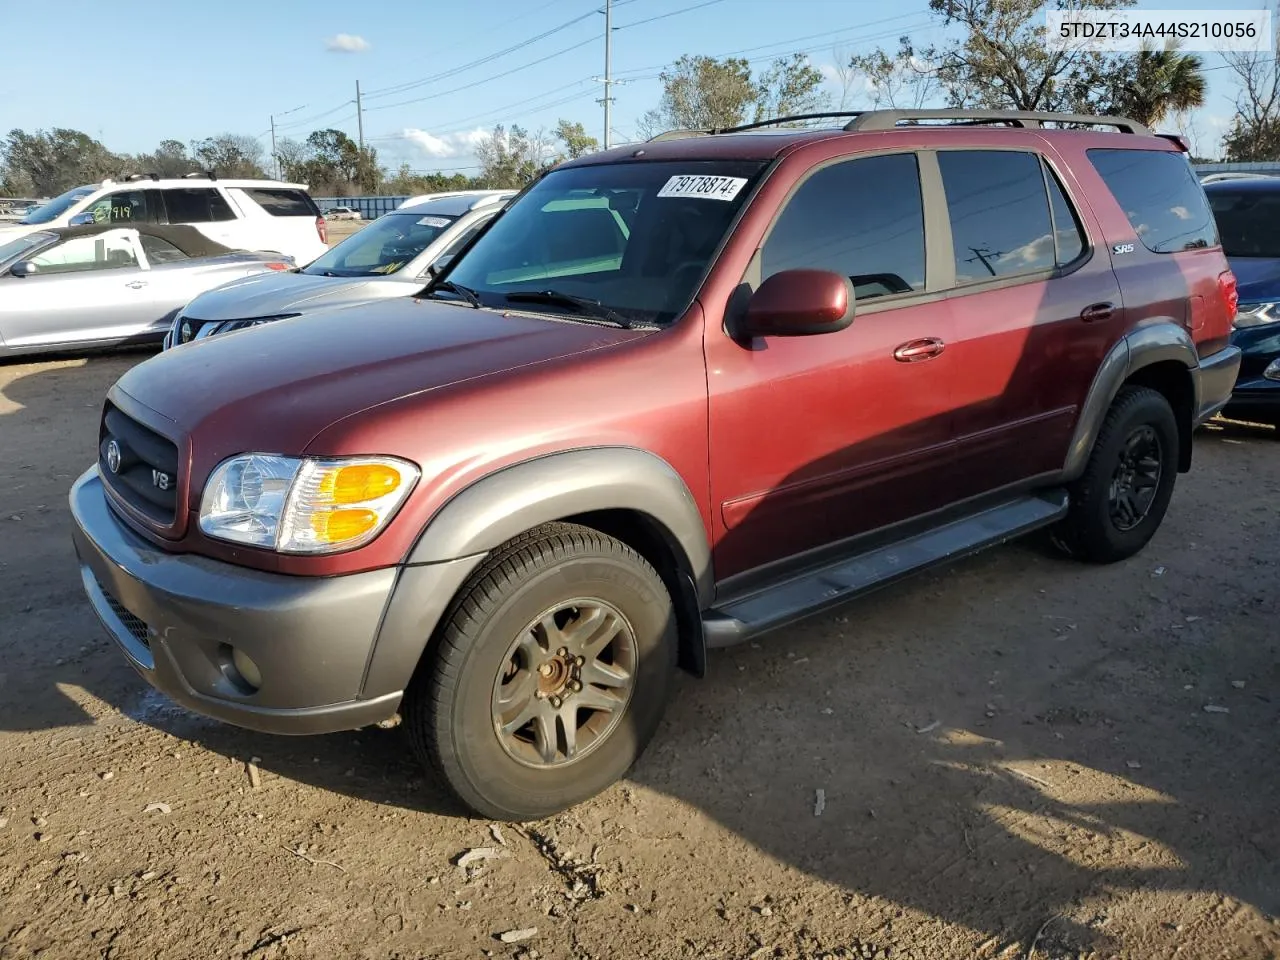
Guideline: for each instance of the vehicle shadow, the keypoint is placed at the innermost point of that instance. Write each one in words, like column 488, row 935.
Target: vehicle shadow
column 997, row 745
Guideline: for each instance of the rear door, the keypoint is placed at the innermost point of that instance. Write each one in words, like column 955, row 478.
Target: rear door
column 88, row 288
column 1036, row 306
column 1168, row 259
column 204, row 208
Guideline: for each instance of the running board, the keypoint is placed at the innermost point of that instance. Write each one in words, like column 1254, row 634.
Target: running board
column 741, row 618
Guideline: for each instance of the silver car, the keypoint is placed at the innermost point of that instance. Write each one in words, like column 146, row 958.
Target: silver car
column 106, row 285
column 388, row 258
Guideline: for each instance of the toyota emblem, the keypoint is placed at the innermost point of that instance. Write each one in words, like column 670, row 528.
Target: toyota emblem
column 113, row 456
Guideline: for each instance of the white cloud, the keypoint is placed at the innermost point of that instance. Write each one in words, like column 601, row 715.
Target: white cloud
column 446, row 145
column 346, row 43
column 1182, row 213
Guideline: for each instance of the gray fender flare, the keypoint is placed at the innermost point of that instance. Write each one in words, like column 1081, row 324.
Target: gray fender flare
column 505, row 504
column 1153, row 343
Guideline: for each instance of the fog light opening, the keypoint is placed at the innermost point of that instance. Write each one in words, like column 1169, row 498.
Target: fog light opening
column 240, row 669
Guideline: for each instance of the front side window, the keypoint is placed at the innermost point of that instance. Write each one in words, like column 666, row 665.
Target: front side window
column 999, row 212
column 15, row 250
column 110, row 250
column 1160, row 195
column 1248, row 220
column 862, row 219
column 59, row 205
column 383, row 247
column 123, row 206
column 626, row 240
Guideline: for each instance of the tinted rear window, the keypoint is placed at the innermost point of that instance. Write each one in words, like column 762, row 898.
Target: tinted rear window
column 283, row 203
column 1161, row 197
column 1248, row 220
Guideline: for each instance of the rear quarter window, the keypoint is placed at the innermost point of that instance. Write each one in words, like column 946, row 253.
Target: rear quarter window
column 283, row 203
column 1161, row 196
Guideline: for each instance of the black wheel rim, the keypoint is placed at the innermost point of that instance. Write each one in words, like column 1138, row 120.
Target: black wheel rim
column 1136, row 479
column 565, row 683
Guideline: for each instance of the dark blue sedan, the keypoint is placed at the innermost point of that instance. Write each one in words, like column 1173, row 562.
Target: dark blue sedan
column 1248, row 215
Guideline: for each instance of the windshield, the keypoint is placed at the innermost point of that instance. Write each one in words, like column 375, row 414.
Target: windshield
column 381, row 248
column 14, row 250
column 58, row 205
column 1248, row 221
column 632, row 238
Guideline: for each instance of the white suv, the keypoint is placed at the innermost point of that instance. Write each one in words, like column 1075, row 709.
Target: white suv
column 265, row 215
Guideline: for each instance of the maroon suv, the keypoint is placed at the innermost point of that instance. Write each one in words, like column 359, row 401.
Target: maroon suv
column 678, row 394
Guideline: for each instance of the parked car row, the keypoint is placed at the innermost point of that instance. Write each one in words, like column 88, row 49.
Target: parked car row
column 670, row 398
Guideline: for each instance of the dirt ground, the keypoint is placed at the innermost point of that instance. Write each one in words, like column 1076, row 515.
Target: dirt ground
column 1018, row 757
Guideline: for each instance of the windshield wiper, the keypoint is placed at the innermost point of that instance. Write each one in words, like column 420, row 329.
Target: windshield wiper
column 594, row 307
column 466, row 293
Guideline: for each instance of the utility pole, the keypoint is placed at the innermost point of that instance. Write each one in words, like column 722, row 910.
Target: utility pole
column 359, row 117
column 275, row 157
column 608, row 70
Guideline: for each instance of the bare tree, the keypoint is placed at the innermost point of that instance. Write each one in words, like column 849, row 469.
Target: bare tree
column 1255, row 132
column 845, row 74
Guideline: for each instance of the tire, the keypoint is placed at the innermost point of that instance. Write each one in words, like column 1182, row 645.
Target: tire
column 1093, row 531
column 556, row 587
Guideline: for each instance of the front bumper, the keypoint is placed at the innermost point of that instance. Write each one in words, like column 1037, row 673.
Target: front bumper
column 1215, row 378
column 177, row 617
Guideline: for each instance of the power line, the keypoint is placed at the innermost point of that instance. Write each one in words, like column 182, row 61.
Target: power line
column 673, row 13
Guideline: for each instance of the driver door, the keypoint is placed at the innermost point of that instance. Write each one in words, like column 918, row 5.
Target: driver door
column 86, row 289
column 816, row 439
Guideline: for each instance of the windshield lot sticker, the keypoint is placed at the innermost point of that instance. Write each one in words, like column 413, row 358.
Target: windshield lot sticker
column 433, row 222
column 709, row 188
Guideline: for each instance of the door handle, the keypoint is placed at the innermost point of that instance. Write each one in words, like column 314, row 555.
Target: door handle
column 914, row 351
column 136, row 284
column 1097, row 311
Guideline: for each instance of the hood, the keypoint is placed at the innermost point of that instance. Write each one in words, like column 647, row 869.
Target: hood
column 274, row 388
column 270, row 294
column 1257, row 278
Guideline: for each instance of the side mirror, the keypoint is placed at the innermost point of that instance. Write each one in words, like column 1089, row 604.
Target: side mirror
column 82, row 219
column 23, row 268
column 797, row 303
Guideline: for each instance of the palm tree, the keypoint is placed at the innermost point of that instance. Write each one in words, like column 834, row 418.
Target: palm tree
column 1156, row 83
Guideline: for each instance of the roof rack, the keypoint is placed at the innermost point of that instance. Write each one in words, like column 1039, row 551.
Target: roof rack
column 201, row 175
column 133, row 177
column 868, row 120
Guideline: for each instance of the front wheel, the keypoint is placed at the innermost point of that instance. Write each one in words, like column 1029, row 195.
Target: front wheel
column 1121, row 498
column 550, row 676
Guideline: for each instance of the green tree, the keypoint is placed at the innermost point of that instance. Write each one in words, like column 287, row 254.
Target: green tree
column 790, row 86
column 46, row 163
column 170, row 159
column 577, row 142
column 1001, row 59
column 1153, row 84
column 510, row 160
column 702, row 93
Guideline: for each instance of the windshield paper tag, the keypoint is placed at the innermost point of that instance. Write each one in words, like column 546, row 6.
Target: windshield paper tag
column 709, row 188
column 433, row 222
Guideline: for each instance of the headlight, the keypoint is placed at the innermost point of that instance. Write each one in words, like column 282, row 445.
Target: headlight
column 1256, row 314
column 304, row 505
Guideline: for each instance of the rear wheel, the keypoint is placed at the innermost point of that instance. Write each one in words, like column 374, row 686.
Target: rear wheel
column 1119, row 502
column 550, row 677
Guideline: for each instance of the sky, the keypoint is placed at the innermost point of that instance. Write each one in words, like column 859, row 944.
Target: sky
column 434, row 76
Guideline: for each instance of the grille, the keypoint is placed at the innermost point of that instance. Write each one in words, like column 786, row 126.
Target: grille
column 136, row 627
column 139, row 465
